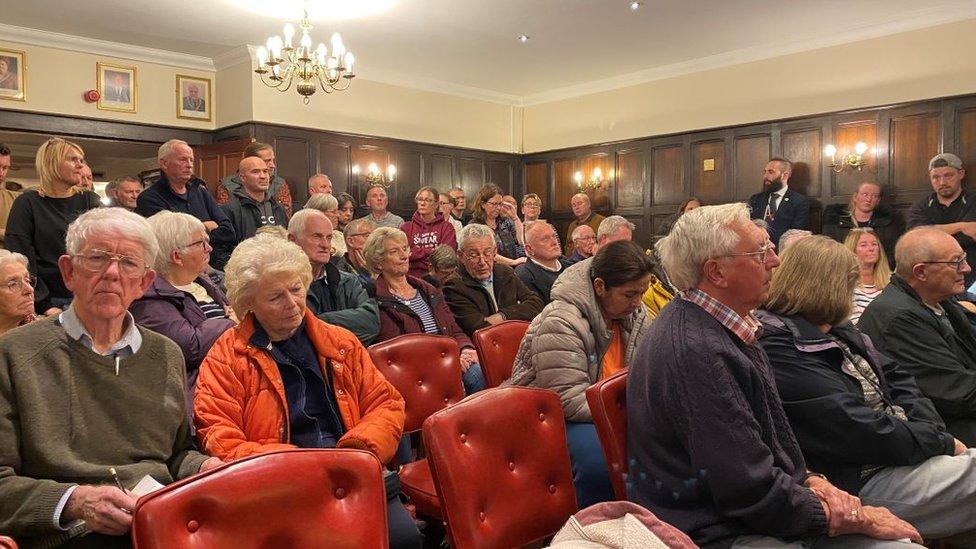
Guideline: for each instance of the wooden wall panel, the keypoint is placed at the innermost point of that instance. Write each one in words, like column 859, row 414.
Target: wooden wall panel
column 563, row 185
column 600, row 198
column 804, row 147
column 846, row 136
column 914, row 140
column 440, row 172
column 293, row 159
column 709, row 185
column 410, row 171
column 629, row 178
column 668, row 174
column 966, row 122
column 501, row 173
column 334, row 161
column 208, row 168
column 751, row 156
column 537, row 181
column 472, row 174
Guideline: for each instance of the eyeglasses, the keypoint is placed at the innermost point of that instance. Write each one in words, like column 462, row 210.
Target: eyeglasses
column 96, row 261
column 531, row 205
column 761, row 254
column 203, row 243
column 358, row 234
column 473, row 255
column 494, row 204
column 17, row 286
column 957, row 262
column 425, row 200
column 584, row 238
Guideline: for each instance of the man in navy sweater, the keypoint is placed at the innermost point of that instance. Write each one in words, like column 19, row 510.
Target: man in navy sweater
column 710, row 449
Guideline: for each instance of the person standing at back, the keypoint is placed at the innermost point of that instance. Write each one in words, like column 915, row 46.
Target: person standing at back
column 778, row 205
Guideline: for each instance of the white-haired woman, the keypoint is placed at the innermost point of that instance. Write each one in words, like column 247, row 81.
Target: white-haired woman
column 39, row 219
column 16, row 291
column 283, row 378
column 182, row 303
column 329, row 205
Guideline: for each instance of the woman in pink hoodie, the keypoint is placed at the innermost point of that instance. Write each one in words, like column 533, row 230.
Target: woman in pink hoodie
column 426, row 230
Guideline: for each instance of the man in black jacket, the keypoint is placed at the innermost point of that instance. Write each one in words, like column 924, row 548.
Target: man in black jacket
column 778, row 205
column 545, row 263
column 915, row 322
column 250, row 207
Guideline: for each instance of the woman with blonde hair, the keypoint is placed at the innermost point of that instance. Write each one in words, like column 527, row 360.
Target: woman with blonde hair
column 39, row 219
column 873, row 270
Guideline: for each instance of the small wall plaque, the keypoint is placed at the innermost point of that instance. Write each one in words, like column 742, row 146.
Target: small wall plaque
column 708, row 165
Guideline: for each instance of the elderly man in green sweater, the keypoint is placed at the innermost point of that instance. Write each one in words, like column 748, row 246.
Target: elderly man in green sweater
column 87, row 391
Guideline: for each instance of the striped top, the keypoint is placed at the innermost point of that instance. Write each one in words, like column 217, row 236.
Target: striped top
column 863, row 296
column 211, row 309
column 422, row 310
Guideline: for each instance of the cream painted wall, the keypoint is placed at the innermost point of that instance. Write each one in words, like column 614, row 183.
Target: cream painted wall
column 922, row 64
column 57, row 79
column 371, row 108
column 234, row 95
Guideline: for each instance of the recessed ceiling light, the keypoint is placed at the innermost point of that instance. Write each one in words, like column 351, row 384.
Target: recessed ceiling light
column 523, row 38
column 635, row 5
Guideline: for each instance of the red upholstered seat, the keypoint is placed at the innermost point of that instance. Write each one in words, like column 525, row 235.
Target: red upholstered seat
column 497, row 346
column 501, row 467
column 426, row 369
column 608, row 405
column 304, row 498
column 7, row 543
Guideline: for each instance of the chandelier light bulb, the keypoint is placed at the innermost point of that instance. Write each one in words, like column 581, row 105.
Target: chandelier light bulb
column 306, row 42
column 289, row 34
column 262, row 55
column 597, row 173
column 373, row 168
column 578, row 176
column 321, row 53
column 355, row 169
column 390, row 172
column 338, row 48
column 333, row 63
column 350, row 59
column 861, row 147
column 274, row 44
column 830, row 150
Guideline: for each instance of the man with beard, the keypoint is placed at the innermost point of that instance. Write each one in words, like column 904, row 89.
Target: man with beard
column 778, row 205
column 948, row 208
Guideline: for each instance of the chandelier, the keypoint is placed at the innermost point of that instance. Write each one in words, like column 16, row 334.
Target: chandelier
column 374, row 176
column 593, row 183
column 281, row 63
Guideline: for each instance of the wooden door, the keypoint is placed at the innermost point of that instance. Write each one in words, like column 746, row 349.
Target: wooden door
column 218, row 160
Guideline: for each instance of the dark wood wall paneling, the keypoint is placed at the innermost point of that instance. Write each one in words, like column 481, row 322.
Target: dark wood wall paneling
column 650, row 177
column 303, row 152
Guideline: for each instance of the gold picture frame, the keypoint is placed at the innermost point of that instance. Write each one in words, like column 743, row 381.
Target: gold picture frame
column 194, row 98
column 117, row 87
column 13, row 75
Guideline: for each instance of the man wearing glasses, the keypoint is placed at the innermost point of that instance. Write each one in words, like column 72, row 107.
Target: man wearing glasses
column 87, row 390
column 915, row 322
column 486, row 292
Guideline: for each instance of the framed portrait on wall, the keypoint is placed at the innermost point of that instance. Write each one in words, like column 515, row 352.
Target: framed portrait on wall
column 194, row 100
column 13, row 75
column 118, row 88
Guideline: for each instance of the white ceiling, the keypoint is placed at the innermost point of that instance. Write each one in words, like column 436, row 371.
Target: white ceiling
column 575, row 46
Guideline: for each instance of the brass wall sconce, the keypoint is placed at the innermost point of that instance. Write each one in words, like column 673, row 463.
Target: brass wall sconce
column 374, row 176
column 854, row 160
column 594, row 182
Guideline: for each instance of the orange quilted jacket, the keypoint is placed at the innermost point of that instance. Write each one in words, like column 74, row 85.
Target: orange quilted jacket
column 240, row 407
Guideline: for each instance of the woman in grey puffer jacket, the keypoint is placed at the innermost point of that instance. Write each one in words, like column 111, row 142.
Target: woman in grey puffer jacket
column 590, row 330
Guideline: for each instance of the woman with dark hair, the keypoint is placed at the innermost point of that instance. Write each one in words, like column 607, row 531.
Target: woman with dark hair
column 347, row 210
column 486, row 209
column 686, row 206
column 588, row 332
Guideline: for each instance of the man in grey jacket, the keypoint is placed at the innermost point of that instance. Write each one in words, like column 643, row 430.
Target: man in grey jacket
column 335, row 296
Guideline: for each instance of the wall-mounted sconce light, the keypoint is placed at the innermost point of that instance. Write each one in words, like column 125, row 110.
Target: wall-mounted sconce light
column 594, row 182
column 854, row 160
column 374, row 176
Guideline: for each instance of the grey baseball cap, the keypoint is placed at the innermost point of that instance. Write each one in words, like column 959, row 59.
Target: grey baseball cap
column 945, row 160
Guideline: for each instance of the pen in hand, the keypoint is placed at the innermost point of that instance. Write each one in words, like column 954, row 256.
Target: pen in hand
column 116, row 477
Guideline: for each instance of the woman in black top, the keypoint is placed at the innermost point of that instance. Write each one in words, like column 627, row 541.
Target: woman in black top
column 39, row 219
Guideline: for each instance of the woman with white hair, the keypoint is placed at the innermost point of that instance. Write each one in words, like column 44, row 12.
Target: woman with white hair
column 16, row 291
column 182, row 303
column 39, row 219
column 283, row 378
column 329, row 205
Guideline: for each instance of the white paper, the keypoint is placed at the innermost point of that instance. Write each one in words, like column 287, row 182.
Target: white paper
column 147, row 485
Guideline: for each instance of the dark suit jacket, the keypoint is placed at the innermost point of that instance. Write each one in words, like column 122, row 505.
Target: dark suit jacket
column 471, row 304
column 111, row 94
column 198, row 105
column 793, row 212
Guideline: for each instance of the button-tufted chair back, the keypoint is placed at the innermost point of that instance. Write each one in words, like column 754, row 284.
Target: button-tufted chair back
column 497, row 346
column 7, row 543
column 426, row 369
column 292, row 498
column 501, row 467
column 608, row 405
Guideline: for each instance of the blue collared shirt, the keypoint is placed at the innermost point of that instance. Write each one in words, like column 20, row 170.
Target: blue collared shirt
column 128, row 345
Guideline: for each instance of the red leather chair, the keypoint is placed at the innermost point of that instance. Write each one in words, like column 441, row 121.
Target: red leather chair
column 501, row 467
column 426, row 369
column 497, row 346
column 302, row 498
column 608, row 405
column 7, row 543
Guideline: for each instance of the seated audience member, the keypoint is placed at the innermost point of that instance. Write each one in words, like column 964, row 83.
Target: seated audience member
column 588, row 332
column 864, row 212
column 486, row 209
column 124, row 192
column 791, row 236
column 182, row 303
column 16, row 291
column 613, row 229
column 545, row 259
column 686, row 206
column 177, row 190
column 914, row 322
column 319, row 184
column 510, row 210
column 299, row 381
column 353, row 261
column 7, row 195
column 409, row 305
column 445, row 204
column 87, row 182
column 859, row 418
column 329, row 205
column 426, row 230
column 276, row 231
column 460, row 202
column 583, row 215
column 39, row 220
column 334, row 296
column 485, row 293
column 660, row 292
column 277, row 187
column 347, row 211
column 250, row 206
column 377, row 201
column 443, row 265
column 872, row 266
column 584, row 243
column 88, row 390
column 531, row 208
column 710, row 449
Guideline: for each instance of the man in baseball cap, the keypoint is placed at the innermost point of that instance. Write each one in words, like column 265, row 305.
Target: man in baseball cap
column 949, row 208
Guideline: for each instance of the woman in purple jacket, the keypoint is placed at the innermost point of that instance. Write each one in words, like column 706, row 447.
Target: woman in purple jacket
column 182, row 303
